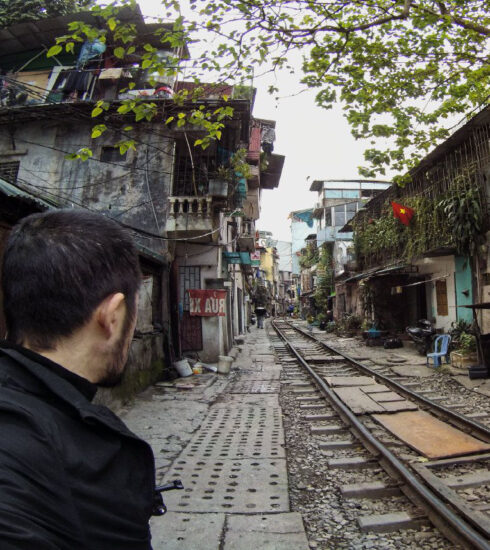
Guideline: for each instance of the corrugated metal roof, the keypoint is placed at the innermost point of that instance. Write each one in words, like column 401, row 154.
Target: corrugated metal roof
column 10, row 190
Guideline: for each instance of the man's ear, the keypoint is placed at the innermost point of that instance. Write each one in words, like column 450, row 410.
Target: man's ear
column 110, row 313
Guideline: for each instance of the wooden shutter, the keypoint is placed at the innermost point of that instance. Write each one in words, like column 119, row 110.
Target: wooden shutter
column 441, row 297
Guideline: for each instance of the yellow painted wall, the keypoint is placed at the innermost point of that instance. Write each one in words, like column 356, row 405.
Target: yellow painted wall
column 267, row 264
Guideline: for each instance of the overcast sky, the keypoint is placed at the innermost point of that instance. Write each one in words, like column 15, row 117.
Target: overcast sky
column 317, row 144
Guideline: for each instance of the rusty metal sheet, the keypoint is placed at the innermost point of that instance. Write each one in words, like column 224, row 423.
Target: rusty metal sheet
column 357, row 401
column 336, row 381
column 430, row 436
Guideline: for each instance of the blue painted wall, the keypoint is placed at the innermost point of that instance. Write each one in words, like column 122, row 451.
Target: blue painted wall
column 463, row 282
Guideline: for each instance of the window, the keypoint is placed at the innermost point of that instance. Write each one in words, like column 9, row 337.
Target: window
column 339, row 213
column 112, row 154
column 333, row 194
column 328, row 217
column 341, row 194
column 351, row 210
column 9, row 171
column 441, row 297
column 342, row 214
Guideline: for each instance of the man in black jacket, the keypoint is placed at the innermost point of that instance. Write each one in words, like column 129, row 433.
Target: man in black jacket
column 72, row 476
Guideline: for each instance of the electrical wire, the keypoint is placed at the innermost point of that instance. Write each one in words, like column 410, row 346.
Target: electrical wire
column 140, row 231
column 41, row 94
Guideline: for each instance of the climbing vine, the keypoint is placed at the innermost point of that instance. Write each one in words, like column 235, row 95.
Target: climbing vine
column 325, row 283
column 463, row 212
column 453, row 218
column 310, row 256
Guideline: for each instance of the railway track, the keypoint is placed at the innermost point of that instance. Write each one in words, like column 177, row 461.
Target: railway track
column 432, row 451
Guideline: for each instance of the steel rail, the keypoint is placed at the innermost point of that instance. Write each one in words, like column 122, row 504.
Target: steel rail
column 479, row 429
column 440, row 514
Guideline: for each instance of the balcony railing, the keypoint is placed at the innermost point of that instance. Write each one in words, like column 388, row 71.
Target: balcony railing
column 189, row 216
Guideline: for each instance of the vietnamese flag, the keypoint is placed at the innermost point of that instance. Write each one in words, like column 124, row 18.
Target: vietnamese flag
column 403, row 213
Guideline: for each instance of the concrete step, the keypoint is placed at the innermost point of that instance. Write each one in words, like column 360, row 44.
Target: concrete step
column 328, row 430
column 308, row 398
column 353, row 463
column 340, row 444
column 320, row 417
column 312, row 406
column 374, row 489
column 387, row 523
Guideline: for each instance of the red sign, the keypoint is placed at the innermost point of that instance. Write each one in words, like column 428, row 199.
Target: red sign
column 207, row 303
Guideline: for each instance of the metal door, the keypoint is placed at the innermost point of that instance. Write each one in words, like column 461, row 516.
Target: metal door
column 191, row 327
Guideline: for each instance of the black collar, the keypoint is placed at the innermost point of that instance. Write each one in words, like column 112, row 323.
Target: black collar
column 85, row 387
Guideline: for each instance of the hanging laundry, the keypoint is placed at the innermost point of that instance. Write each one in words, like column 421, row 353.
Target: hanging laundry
column 111, row 74
column 89, row 50
column 77, row 81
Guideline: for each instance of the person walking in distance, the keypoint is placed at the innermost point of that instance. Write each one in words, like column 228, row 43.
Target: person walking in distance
column 72, row 475
column 260, row 311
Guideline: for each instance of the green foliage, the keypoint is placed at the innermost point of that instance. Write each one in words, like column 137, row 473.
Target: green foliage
column 237, row 167
column 310, row 256
column 399, row 68
column 462, row 208
column 325, row 283
column 349, row 323
column 453, row 218
column 20, row 11
column 82, row 154
column 466, row 343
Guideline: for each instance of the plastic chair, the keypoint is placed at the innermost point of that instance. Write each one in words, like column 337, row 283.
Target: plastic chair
column 441, row 349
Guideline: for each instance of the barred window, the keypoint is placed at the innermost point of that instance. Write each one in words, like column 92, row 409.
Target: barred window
column 9, row 171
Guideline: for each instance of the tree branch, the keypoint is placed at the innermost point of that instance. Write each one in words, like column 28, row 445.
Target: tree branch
column 470, row 25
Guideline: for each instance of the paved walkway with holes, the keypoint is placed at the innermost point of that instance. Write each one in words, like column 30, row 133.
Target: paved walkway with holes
column 234, row 468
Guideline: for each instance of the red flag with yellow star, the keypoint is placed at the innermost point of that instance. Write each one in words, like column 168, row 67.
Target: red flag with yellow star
column 403, row 213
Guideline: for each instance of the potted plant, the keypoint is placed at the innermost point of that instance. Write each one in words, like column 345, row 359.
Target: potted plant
column 465, row 353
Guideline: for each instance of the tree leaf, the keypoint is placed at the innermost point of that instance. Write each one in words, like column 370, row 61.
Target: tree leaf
column 54, row 50
column 119, row 52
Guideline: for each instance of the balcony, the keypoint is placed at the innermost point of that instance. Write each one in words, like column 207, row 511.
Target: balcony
column 246, row 239
column 331, row 234
column 190, row 217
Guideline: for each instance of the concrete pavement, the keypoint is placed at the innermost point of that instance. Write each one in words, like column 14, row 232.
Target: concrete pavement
column 222, row 435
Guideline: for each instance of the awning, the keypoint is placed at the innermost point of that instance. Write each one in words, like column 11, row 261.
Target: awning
column 269, row 178
column 391, row 269
column 145, row 252
column 360, row 276
column 237, row 257
column 10, row 190
column 378, row 271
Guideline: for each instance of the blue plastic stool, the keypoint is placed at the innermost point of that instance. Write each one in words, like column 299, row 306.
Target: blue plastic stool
column 441, row 349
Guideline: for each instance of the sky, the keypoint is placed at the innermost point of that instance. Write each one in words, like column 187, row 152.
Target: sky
column 316, row 142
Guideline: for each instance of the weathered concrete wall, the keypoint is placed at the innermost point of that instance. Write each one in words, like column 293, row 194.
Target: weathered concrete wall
column 433, row 268
column 145, row 365
column 133, row 190
column 299, row 231
column 214, row 329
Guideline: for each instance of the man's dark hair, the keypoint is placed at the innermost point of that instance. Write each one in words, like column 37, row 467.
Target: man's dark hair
column 57, row 268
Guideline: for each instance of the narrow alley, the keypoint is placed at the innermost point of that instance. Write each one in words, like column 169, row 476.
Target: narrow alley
column 224, row 438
